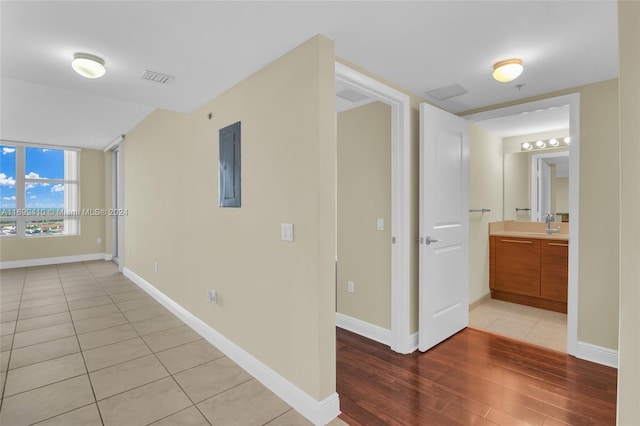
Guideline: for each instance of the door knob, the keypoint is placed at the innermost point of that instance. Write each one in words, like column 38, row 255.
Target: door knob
column 430, row 240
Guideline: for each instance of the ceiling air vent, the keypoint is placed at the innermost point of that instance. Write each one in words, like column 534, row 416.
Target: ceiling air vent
column 447, row 92
column 351, row 95
column 156, row 77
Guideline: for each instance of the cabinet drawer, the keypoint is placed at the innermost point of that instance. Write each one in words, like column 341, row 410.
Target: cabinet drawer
column 517, row 265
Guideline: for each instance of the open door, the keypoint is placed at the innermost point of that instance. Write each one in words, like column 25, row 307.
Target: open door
column 542, row 185
column 444, row 225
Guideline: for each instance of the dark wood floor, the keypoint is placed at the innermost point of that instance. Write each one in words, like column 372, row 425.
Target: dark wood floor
column 473, row 378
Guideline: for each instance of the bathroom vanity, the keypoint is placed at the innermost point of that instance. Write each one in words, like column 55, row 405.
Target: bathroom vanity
column 529, row 266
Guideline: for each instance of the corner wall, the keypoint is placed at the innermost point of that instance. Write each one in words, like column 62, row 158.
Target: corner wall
column 485, row 191
column 629, row 368
column 276, row 299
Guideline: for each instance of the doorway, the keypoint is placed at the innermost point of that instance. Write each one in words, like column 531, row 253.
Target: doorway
column 117, row 203
column 571, row 102
column 399, row 336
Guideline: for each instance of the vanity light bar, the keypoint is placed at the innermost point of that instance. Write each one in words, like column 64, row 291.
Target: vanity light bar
column 545, row 144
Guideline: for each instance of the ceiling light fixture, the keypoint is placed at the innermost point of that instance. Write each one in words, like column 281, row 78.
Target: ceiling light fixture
column 543, row 145
column 507, row 70
column 88, row 66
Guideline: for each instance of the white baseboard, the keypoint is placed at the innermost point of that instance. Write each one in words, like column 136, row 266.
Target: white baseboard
column 597, row 354
column 479, row 301
column 364, row 329
column 317, row 412
column 53, row 260
column 375, row 332
column 413, row 342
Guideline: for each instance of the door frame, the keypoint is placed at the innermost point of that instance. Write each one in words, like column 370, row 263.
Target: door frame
column 573, row 100
column 117, row 199
column 401, row 339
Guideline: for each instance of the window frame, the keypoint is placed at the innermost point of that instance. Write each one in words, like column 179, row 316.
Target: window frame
column 69, row 213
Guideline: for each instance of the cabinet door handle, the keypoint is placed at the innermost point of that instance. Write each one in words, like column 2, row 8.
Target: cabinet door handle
column 517, row 241
column 558, row 244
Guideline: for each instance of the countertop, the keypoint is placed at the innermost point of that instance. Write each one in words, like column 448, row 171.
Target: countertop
column 537, row 235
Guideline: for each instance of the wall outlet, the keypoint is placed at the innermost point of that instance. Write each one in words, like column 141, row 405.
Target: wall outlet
column 212, row 296
column 155, row 266
column 99, row 240
column 380, row 224
column 286, row 232
column 350, row 287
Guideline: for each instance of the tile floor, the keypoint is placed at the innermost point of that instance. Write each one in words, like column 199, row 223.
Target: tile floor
column 532, row 325
column 83, row 345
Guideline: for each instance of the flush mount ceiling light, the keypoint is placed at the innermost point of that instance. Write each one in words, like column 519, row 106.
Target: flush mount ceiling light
column 88, row 66
column 507, row 70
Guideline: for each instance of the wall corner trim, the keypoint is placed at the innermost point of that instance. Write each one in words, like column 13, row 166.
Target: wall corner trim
column 317, row 412
column 54, row 260
column 597, row 354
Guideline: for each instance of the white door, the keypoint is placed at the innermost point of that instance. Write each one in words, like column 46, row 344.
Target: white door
column 444, row 225
column 544, row 189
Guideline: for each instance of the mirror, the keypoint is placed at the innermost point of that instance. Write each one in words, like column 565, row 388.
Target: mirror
column 529, row 196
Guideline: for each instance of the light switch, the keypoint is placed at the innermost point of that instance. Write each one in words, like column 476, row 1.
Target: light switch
column 380, row 224
column 286, row 231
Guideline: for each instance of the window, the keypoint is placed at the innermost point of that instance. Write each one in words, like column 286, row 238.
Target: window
column 39, row 190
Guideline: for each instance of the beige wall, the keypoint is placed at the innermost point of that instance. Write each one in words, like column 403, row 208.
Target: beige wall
column 517, row 186
column 485, row 191
column 276, row 298
column 364, row 195
column 599, row 198
column 629, row 370
column 561, row 189
column 91, row 227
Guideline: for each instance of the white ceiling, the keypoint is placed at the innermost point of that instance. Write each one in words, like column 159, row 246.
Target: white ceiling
column 210, row 46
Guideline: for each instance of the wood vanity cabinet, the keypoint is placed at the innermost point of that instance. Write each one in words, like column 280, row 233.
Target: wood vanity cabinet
column 554, row 270
column 529, row 271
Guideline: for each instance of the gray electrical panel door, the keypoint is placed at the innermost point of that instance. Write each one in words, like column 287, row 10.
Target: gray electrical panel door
column 230, row 166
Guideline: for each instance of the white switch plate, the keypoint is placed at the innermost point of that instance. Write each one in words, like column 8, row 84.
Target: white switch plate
column 380, row 224
column 99, row 240
column 212, row 296
column 350, row 287
column 286, row 230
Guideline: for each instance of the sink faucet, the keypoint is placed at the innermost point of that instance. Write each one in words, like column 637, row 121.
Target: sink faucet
column 549, row 217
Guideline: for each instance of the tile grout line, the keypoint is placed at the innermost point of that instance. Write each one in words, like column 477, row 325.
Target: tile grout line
column 194, row 404
column 6, row 379
column 93, row 391
column 157, row 359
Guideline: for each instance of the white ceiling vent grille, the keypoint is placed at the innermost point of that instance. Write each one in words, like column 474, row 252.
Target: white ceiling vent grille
column 156, row 77
column 351, row 95
column 447, row 92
